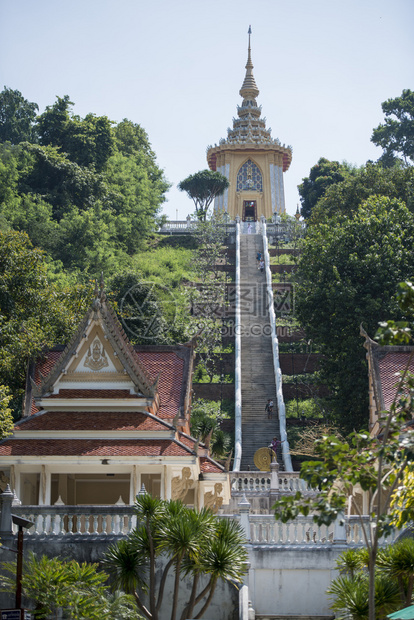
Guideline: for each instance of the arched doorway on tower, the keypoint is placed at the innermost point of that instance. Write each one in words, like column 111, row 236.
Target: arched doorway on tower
column 249, row 211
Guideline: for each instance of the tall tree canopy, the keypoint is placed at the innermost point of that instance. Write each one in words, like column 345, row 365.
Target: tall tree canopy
column 17, row 116
column 87, row 191
column 322, row 175
column 370, row 180
column 202, row 187
column 88, row 141
column 347, row 275
column 396, row 135
column 34, row 313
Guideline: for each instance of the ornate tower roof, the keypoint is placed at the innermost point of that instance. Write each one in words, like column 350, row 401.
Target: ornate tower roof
column 249, row 129
column 249, row 89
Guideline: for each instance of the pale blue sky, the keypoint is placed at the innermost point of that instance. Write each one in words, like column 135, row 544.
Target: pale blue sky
column 323, row 68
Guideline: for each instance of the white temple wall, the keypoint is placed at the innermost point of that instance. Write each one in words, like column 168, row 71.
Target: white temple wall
column 221, row 202
column 291, row 580
column 281, row 190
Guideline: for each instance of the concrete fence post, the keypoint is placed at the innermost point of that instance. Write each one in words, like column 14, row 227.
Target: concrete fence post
column 244, row 602
column 6, row 500
column 274, row 476
column 244, row 510
column 339, row 534
column 274, row 482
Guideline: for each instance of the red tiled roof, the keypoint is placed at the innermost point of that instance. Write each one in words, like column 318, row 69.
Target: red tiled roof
column 187, row 441
column 82, row 420
column 390, row 366
column 45, row 365
column 89, row 447
column 170, row 367
column 104, row 393
column 208, row 466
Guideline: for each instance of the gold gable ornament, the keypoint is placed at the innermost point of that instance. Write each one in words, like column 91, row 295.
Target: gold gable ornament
column 96, row 359
column 180, row 486
column 212, row 499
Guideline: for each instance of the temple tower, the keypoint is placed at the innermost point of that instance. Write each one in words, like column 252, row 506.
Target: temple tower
column 253, row 162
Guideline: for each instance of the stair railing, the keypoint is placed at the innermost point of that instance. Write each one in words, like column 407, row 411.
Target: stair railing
column 287, row 461
column 237, row 396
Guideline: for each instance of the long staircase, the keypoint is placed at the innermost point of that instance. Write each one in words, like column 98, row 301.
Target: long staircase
column 257, row 373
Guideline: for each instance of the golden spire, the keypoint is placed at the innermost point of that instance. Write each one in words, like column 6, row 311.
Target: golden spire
column 249, row 89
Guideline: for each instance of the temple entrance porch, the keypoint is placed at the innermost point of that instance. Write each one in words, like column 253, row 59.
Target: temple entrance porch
column 249, row 211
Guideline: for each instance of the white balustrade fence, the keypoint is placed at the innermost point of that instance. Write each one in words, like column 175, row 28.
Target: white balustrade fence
column 257, row 482
column 237, row 369
column 264, row 529
column 284, row 482
column 69, row 520
column 102, row 521
column 289, row 482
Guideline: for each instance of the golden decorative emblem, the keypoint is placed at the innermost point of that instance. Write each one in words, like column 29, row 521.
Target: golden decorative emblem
column 263, row 457
column 96, row 359
column 180, row 486
column 212, row 499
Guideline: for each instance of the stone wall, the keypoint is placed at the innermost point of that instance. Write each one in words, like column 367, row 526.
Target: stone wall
column 291, row 580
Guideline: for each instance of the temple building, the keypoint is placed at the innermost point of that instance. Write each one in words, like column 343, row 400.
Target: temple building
column 103, row 418
column 385, row 367
column 251, row 159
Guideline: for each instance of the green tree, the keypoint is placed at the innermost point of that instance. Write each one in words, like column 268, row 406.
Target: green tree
column 141, row 309
column 77, row 590
column 33, row 313
column 192, row 544
column 347, row 275
column 397, row 561
column 131, row 138
column 6, row 414
column 322, row 175
column 9, row 176
column 88, row 141
column 351, row 597
column 208, row 294
column 375, row 465
column 394, row 581
column 89, row 194
column 46, row 172
column 370, row 180
column 396, row 135
column 138, row 189
column 52, row 125
column 17, row 116
column 206, row 416
column 202, row 187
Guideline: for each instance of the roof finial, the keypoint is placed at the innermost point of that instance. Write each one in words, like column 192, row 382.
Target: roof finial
column 249, row 60
column 249, row 89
